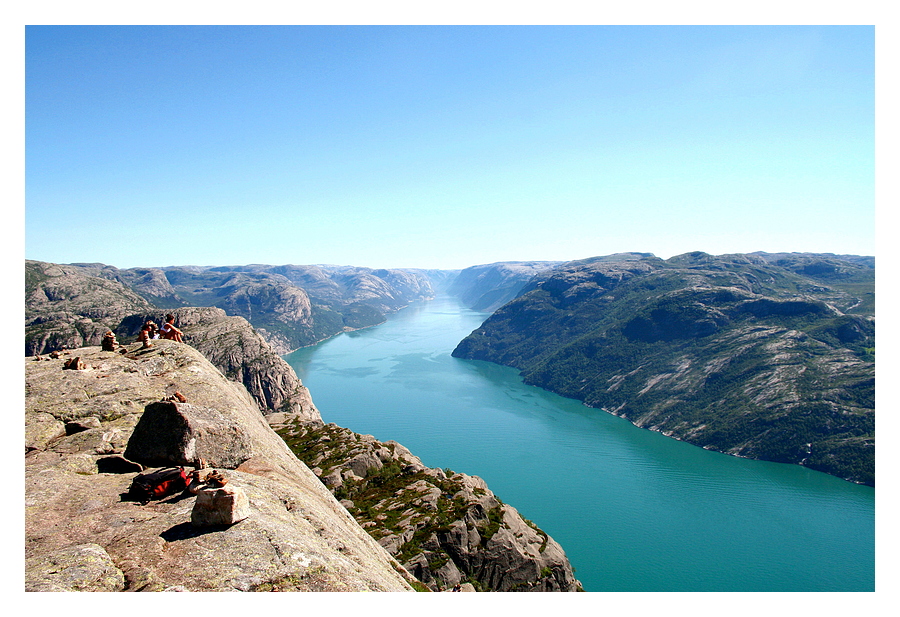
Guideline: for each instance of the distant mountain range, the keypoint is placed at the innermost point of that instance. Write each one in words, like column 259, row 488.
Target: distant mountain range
column 490, row 286
column 767, row 356
column 291, row 306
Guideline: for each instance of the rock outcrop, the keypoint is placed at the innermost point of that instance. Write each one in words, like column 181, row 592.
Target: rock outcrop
column 446, row 528
column 82, row 533
column 70, row 306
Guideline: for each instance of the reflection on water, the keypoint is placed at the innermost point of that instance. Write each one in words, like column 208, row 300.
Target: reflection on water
column 634, row 510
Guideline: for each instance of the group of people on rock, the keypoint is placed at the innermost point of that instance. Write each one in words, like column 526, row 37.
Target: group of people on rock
column 168, row 331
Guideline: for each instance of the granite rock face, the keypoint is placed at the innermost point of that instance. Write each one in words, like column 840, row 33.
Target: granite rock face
column 82, row 533
column 446, row 528
column 82, row 567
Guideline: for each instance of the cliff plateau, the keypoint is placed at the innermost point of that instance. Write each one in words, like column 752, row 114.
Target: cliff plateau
column 82, row 534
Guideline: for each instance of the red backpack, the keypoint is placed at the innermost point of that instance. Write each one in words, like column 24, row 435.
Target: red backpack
column 158, row 484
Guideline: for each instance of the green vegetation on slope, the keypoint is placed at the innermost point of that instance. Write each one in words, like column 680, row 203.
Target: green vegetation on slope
column 437, row 523
column 732, row 353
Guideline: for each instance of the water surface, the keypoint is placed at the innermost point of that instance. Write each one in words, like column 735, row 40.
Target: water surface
column 634, row 510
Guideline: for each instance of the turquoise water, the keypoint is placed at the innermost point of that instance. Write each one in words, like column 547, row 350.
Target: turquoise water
column 634, row 510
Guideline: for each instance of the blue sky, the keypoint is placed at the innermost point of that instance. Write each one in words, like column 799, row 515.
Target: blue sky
column 444, row 147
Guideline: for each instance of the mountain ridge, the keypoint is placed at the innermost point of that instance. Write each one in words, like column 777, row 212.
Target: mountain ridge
column 737, row 353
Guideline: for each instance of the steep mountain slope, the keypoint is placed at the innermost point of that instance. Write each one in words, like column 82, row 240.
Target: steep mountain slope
column 236, row 349
column 64, row 307
column 488, row 287
column 762, row 356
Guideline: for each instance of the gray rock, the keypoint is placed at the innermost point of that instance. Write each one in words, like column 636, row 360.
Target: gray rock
column 333, row 480
column 83, row 567
column 171, row 433
column 42, row 429
column 82, row 424
column 94, row 441
column 363, row 463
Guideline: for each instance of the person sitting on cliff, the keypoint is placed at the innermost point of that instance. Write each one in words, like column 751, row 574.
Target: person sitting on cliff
column 144, row 336
column 154, row 331
column 169, row 331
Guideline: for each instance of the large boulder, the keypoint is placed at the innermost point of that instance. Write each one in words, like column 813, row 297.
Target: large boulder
column 171, row 433
column 223, row 505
